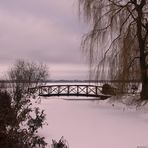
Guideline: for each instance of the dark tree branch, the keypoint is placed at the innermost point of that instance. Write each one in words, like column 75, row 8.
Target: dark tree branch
column 115, row 38
column 131, row 12
column 110, row 47
column 132, row 61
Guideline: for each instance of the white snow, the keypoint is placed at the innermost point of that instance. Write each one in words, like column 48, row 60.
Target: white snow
column 95, row 124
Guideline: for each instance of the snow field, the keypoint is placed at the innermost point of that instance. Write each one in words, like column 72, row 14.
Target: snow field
column 94, row 124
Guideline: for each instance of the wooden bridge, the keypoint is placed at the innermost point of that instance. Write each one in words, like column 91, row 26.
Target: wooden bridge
column 70, row 90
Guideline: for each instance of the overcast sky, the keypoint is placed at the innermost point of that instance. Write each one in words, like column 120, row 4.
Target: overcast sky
column 48, row 31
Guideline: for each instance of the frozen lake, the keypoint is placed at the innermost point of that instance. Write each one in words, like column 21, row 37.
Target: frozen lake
column 94, row 124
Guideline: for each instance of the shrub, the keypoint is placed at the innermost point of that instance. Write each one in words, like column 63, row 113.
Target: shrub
column 62, row 143
column 18, row 129
column 108, row 89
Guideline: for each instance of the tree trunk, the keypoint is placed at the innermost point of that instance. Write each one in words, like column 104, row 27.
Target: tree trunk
column 141, row 41
column 144, row 75
column 143, row 67
column 144, row 92
column 144, row 79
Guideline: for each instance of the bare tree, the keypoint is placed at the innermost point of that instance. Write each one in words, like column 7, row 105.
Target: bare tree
column 24, row 75
column 117, row 45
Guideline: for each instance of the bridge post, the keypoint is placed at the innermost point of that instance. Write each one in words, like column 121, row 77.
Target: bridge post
column 49, row 90
column 68, row 90
column 59, row 90
column 96, row 89
column 86, row 90
column 40, row 90
column 77, row 90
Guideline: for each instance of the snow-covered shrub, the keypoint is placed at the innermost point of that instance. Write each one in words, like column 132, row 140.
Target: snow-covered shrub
column 62, row 143
column 18, row 128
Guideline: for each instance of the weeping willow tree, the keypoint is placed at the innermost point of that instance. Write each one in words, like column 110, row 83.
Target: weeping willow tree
column 117, row 44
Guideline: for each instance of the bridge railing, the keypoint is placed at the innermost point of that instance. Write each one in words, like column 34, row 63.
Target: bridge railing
column 71, row 90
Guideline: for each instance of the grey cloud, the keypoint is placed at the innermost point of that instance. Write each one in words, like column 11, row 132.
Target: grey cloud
column 47, row 31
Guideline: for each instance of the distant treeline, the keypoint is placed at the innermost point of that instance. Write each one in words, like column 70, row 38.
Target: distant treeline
column 76, row 81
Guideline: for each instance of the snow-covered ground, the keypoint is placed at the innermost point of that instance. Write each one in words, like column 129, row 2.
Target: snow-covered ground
column 95, row 124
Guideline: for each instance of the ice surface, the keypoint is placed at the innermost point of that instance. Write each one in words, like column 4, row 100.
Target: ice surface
column 94, row 124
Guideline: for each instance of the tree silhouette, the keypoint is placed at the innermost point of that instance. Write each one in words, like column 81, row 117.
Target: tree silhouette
column 117, row 45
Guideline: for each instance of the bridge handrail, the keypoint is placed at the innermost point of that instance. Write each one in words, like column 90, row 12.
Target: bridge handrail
column 70, row 85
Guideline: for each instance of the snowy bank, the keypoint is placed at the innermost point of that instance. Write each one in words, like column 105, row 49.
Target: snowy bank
column 95, row 124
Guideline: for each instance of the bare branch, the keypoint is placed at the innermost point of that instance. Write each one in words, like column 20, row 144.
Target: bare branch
column 132, row 61
column 110, row 47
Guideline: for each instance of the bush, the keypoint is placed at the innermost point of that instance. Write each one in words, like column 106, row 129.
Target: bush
column 18, row 129
column 62, row 143
column 108, row 90
column 12, row 133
